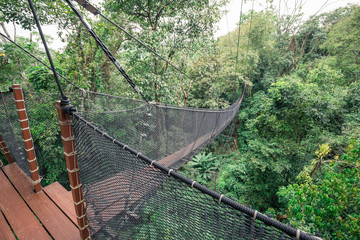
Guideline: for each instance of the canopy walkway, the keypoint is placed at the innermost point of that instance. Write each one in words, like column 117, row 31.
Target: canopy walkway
column 121, row 157
column 127, row 194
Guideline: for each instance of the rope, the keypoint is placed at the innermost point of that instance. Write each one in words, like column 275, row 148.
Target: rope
column 7, row 116
column 248, row 42
column 33, row 160
column 255, row 213
column 237, row 52
column 222, row 198
column 298, row 234
column 227, row 24
column 63, row 97
column 37, row 59
column 91, row 8
column 106, row 50
column 238, row 40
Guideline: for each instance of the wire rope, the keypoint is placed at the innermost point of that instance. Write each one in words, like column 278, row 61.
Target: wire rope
column 91, row 8
column 238, row 40
column 235, row 70
column 64, row 99
column 106, row 50
column 39, row 60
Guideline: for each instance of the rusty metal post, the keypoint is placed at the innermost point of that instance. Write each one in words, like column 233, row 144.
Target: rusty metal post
column 25, row 129
column 5, row 151
column 67, row 136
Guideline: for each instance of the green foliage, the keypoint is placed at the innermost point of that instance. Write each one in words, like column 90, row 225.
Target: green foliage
column 326, row 74
column 250, row 181
column 179, row 31
column 300, row 99
column 45, row 132
column 41, row 79
column 14, row 63
column 203, row 168
column 344, row 43
column 3, row 159
column 281, row 128
column 304, row 91
column 329, row 201
column 18, row 12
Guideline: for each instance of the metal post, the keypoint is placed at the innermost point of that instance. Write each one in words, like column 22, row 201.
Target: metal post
column 67, row 136
column 6, row 151
column 25, row 129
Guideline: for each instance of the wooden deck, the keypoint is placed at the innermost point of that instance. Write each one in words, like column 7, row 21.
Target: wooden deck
column 48, row 214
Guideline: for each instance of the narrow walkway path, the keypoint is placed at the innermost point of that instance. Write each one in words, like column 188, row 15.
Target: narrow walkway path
column 48, row 214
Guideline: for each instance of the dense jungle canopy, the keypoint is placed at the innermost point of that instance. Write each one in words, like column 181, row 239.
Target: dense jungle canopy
column 293, row 149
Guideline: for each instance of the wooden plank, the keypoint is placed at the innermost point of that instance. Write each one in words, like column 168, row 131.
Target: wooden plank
column 174, row 157
column 62, row 198
column 53, row 219
column 122, row 191
column 5, row 231
column 19, row 216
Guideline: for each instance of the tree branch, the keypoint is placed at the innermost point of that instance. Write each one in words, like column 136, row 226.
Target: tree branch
column 342, row 163
column 5, row 30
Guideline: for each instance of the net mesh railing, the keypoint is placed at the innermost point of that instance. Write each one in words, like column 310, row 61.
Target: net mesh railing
column 129, row 196
column 126, row 196
column 168, row 134
column 10, row 130
column 45, row 133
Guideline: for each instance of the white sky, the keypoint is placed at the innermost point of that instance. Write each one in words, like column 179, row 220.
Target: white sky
column 228, row 22
column 310, row 7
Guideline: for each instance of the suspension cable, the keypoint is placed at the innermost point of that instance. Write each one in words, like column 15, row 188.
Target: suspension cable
column 236, row 68
column 228, row 33
column 238, row 40
column 251, row 18
column 91, row 8
column 39, row 60
column 64, row 99
column 106, row 50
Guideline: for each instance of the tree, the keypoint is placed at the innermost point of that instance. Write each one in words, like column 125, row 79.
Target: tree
column 14, row 64
column 344, row 43
column 177, row 30
column 18, row 12
column 281, row 127
column 326, row 197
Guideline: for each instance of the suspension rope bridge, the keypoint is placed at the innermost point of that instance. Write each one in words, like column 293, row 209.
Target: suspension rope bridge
column 122, row 156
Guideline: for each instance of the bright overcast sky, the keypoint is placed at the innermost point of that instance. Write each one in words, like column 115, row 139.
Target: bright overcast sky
column 228, row 22
column 310, row 7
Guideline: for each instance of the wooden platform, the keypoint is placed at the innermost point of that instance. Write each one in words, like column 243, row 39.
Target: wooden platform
column 48, row 214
